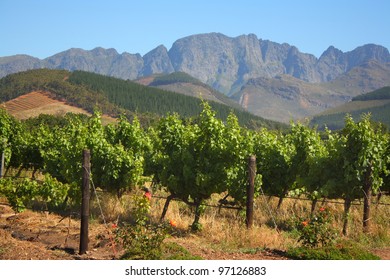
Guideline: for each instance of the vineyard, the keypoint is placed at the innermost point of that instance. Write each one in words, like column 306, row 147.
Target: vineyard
column 193, row 161
column 28, row 101
column 38, row 102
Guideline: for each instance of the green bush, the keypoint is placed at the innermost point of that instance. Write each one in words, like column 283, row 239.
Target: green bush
column 317, row 230
column 142, row 240
column 173, row 251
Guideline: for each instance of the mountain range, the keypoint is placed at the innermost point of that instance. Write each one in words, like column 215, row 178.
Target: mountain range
column 255, row 72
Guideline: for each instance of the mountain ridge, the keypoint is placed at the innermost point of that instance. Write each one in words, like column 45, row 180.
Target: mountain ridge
column 225, row 63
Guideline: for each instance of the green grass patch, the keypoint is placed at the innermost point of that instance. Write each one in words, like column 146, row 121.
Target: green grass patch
column 345, row 250
column 173, row 251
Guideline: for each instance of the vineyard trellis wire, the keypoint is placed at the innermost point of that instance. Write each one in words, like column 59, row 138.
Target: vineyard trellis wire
column 197, row 158
column 221, row 205
column 238, row 208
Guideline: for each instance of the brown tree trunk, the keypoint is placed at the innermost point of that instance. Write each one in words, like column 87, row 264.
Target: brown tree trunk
column 196, row 225
column 367, row 189
column 280, row 203
column 379, row 196
column 285, row 191
column 347, row 207
column 313, row 206
column 166, row 205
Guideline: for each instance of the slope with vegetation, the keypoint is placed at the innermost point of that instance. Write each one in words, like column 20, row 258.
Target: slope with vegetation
column 183, row 83
column 114, row 96
column 376, row 103
column 284, row 97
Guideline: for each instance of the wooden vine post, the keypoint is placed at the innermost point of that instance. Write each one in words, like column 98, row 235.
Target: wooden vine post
column 250, row 191
column 85, row 202
column 2, row 165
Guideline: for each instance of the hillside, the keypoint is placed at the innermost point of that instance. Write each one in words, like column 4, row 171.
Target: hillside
column 35, row 103
column 284, row 97
column 376, row 103
column 56, row 86
column 183, row 83
column 113, row 96
column 139, row 98
column 362, row 79
column 379, row 94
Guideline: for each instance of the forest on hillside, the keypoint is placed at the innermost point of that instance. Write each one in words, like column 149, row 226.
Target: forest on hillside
column 376, row 103
column 115, row 97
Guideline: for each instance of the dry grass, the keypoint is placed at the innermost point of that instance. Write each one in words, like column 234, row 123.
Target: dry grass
column 224, row 235
column 224, row 229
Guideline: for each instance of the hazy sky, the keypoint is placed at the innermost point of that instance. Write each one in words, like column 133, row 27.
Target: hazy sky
column 42, row 28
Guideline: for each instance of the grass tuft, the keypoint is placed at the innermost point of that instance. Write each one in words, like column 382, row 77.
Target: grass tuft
column 345, row 250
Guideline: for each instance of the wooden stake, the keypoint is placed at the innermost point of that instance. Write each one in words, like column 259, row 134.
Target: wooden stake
column 250, row 191
column 2, row 165
column 85, row 202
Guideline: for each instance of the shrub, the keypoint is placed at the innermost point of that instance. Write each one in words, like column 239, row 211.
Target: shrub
column 317, row 230
column 141, row 240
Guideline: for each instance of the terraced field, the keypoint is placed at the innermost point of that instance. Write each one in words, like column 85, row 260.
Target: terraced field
column 28, row 101
column 39, row 102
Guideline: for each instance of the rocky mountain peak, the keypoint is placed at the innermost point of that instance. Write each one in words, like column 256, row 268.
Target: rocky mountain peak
column 157, row 61
column 99, row 51
column 367, row 52
column 223, row 62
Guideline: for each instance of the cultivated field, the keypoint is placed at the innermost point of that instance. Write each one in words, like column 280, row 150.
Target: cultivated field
column 40, row 102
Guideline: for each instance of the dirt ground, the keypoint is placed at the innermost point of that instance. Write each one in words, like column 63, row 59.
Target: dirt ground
column 42, row 236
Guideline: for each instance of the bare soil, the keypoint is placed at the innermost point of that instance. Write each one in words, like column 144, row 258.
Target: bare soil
column 46, row 236
column 42, row 236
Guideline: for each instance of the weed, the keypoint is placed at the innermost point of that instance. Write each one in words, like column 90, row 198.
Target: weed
column 345, row 250
column 141, row 240
column 173, row 251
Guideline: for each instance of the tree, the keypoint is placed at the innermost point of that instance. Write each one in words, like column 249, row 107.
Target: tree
column 239, row 145
column 200, row 158
column 336, row 185
column 364, row 160
column 117, row 153
column 7, row 131
column 274, row 154
column 308, row 161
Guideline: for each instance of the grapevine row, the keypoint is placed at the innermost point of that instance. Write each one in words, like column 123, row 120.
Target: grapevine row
column 193, row 159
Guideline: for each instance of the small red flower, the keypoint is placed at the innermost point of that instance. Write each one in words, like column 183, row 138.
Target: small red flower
column 322, row 209
column 305, row 223
column 148, row 195
column 114, row 226
column 172, row 223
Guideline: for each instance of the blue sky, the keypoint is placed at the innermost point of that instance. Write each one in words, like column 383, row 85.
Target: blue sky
column 42, row 28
